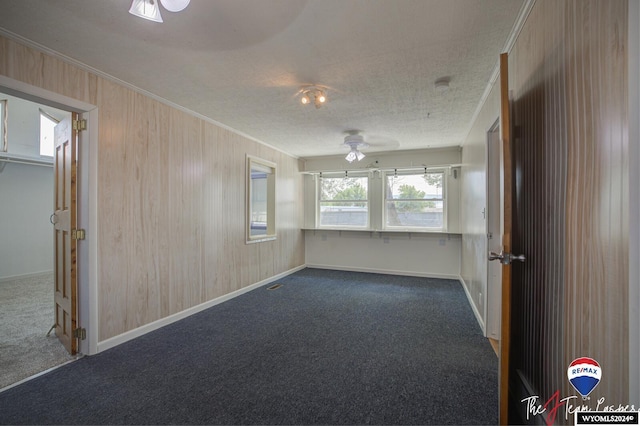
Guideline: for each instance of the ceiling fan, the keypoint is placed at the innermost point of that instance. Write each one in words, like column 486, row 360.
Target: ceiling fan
column 354, row 140
column 148, row 9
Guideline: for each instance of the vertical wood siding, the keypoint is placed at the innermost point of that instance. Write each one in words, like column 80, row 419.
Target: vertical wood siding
column 171, row 199
column 568, row 76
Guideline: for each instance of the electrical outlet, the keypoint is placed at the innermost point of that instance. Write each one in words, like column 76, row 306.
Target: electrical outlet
column 385, row 240
column 442, row 242
column 324, row 237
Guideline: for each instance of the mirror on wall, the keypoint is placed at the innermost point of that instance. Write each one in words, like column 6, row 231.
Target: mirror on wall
column 261, row 200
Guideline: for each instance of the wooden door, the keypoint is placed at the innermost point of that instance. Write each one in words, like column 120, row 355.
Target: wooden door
column 64, row 223
column 507, row 191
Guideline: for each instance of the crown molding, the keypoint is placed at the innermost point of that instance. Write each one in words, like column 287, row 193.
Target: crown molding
column 44, row 49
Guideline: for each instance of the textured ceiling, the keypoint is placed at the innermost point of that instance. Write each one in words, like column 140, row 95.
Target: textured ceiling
column 241, row 62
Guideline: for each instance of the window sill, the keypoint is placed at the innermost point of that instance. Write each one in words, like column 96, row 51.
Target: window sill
column 262, row 239
column 383, row 231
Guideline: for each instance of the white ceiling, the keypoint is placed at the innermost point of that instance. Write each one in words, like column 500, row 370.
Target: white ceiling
column 241, row 62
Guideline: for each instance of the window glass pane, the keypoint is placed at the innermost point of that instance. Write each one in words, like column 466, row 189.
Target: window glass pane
column 47, row 125
column 261, row 200
column 420, row 214
column 344, row 201
column 258, row 220
column 414, row 200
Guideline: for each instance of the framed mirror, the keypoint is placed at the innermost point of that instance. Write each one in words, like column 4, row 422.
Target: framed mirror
column 261, row 200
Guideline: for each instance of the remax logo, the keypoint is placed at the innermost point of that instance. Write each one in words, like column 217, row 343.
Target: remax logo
column 584, row 374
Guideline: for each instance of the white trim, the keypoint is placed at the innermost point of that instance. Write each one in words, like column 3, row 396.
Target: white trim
column 474, row 308
column 102, row 74
column 270, row 168
column 384, row 271
column 140, row 331
column 40, row 95
column 22, row 276
column 88, row 176
column 86, row 283
column 634, row 201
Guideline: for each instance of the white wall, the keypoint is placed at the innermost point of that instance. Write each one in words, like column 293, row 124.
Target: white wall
column 26, row 191
column 433, row 255
column 23, row 128
column 428, row 255
column 26, row 242
column 473, row 201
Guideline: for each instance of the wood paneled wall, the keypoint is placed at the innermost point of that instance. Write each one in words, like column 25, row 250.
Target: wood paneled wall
column 569, row 81
column 171, row 196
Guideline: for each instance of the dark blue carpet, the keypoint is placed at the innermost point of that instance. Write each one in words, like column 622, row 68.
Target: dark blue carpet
column 327, row 347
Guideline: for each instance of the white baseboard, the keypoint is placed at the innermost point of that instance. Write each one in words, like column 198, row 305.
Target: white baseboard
column 383, row 271
column 474, row 308
column 22, row 276
column 132, row 334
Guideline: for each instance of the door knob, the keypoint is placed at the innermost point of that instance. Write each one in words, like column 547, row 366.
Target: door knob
column 52, row 217
column 506, row 258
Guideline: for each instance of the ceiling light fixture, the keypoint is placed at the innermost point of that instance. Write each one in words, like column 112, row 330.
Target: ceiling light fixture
column 355, row 141
column 313, row 93
column 149, row 9
column 354, row 154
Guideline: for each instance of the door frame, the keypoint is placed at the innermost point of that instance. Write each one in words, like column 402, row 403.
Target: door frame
column 493, row 291
column 87, row 201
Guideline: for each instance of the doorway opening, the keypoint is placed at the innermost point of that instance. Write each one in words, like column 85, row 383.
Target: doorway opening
column 26, row 250
column 20, row 155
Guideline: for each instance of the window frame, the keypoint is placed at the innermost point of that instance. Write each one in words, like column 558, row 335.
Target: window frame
column 45, row 114
column 319, row 199
column 442, row 199
column 271, row 231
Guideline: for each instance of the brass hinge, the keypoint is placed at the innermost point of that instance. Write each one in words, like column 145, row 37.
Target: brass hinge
column 80, row 333
column 80, row 124
column 77, row 234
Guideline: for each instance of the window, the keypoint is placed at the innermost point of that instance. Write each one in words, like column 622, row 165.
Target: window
column 343, row 201
column 261, row 200
column 47, row 126
column 415, row 200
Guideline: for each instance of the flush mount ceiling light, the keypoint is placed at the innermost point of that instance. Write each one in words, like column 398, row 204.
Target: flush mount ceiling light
column 313, row 94
column 354, row 141
column 149, row 9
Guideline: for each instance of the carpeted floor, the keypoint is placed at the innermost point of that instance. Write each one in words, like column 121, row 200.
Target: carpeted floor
column 25, row 318
column 327, row 347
